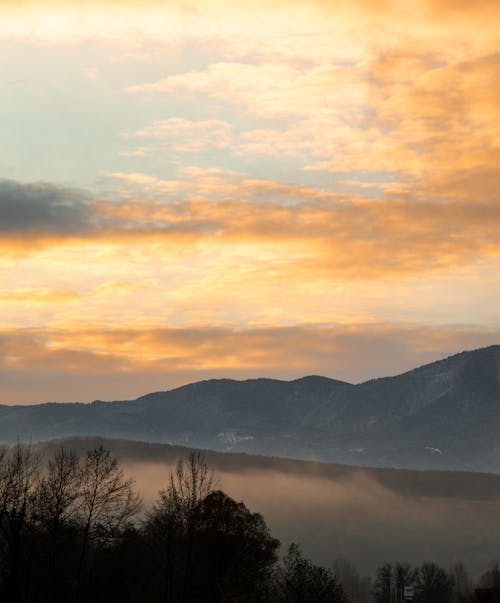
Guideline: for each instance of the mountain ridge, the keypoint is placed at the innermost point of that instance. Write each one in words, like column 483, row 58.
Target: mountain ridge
column 445, row 415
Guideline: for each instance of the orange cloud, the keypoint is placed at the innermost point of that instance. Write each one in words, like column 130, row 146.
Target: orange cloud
column 340, row 234
column 410, row 111
column 129, row 362
column 44, row 295
column 311, row 232
column 394, row 104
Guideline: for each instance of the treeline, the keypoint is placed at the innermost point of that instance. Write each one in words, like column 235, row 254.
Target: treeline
column 72, row 529
column 430, row 583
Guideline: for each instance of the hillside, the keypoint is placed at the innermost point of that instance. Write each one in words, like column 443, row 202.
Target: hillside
column 444, row 415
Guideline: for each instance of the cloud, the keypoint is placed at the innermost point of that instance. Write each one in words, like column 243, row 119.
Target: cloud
column 271, row 89
column 128, row 362
column 43, row 295
column 339, row 235
column 390, row 108
column 302, row 233
column 41, row 208
column 182, row 135
column 411, row 112
column 348, row 86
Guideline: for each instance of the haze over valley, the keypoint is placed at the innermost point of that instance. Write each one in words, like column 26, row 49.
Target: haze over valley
column 338, row 511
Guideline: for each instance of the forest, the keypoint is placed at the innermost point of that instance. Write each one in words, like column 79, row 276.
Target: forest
column 73, row 529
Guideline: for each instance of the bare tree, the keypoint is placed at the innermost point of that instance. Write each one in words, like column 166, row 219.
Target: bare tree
column 57, row 503
column 382, row 586
column 18, row 474
column 191, row 482
column 434, row 585
column 300, row 581
column 403, row 575
column 107, row 501
column 172, row 520
column 59, row 488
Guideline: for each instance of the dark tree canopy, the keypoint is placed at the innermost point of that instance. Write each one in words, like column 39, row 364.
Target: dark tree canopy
column 234, row 549
column 300, row 581
column 70, row 533
column 205, row 545
column 434, row 584
column 382, row 587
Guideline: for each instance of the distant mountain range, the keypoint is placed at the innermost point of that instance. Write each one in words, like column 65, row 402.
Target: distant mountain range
column 444, row 415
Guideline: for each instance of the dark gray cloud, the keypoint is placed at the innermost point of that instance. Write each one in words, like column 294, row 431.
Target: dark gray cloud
column 41, row 207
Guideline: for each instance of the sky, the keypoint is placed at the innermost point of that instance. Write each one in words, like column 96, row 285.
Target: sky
column 206, row 189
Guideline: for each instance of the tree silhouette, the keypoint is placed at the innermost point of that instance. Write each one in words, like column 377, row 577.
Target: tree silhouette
column 171, row 524
column 18, row 474
column 382, row 587
column 403, row 575
column 299, row 581
column 489, row 585
column 68, row 534
column 57, row 500
column 433, row 584
column 107, row 501
column 233, row 550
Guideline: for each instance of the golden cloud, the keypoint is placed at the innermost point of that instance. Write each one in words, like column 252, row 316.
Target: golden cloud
column 411, row 111
column 174, row 356
column 297, row 228
column 395, row 104
column 43, row 295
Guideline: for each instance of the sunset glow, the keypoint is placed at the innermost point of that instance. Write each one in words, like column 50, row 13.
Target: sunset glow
column 208, row 189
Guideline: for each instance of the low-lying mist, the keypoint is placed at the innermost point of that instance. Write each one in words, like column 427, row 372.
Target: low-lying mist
column 356, row 516
column 336, row 511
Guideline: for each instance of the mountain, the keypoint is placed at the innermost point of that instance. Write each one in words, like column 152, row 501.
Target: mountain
column 443, row 415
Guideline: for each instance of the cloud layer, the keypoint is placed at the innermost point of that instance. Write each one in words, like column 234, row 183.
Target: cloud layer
column 90, row 363
column 298, row 229
column 201, row 190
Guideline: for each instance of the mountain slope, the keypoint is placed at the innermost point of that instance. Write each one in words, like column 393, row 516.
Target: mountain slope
column 442, row 415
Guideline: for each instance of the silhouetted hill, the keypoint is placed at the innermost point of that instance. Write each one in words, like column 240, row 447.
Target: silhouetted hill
column 442, row 415
column 369, row 515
